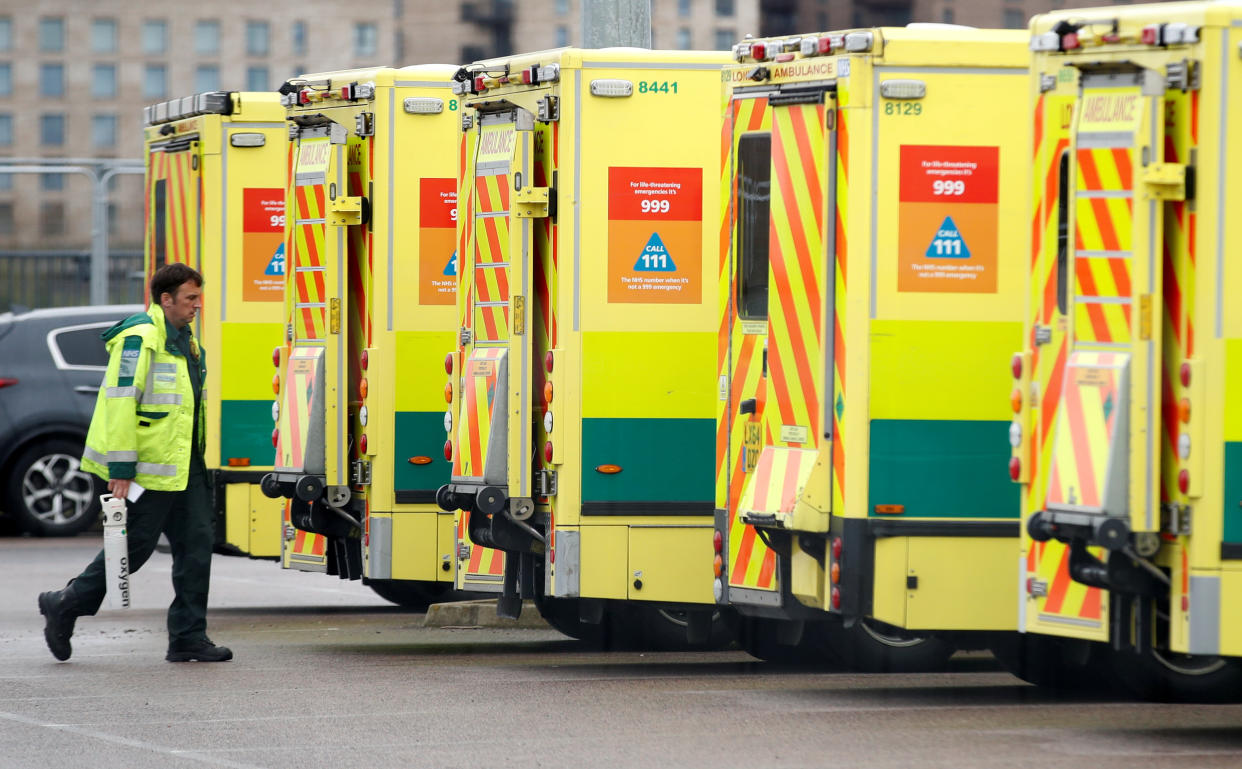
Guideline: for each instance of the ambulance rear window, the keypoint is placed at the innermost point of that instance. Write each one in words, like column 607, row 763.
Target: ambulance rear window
column 754, row 175
column 160, row 210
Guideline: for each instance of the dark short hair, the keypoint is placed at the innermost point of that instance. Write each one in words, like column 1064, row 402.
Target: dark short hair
column 169, row 278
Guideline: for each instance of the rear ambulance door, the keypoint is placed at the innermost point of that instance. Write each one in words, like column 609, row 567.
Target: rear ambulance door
column 750, row 564
column 315, row 357
column 494, row 434
column 173, row 172
column 1106, row 435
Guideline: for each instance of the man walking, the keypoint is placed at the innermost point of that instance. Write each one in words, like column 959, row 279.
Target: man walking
column 148, row 429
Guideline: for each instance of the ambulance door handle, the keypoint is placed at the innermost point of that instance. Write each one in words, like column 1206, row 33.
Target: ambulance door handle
column 747, row 406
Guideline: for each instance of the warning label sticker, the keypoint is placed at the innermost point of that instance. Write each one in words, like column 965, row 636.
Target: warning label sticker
column 437, row 247
column 263, row 244
column 947, row 236
column 655, row 235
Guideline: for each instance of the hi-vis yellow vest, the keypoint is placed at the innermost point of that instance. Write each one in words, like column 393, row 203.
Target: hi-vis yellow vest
column 144, row 417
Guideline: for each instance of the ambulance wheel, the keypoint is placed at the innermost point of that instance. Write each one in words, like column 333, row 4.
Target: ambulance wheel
column 665, row 629
column 49, row 494
column 760, row 637
column 1169, row 677
column 1049, row 661
column 563, row 615
column 410, row 594
column 871, row 646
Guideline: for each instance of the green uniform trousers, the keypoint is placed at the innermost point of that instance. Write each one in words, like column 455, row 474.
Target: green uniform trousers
column 185, row 517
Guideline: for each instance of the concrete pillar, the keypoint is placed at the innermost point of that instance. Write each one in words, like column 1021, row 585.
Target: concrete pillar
column 613, row 23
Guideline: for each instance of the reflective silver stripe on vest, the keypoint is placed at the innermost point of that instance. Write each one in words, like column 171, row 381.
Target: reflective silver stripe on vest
column 155, row 399
column 150, row 468
column 112, row 456
column 122, row 392
column 164, row 368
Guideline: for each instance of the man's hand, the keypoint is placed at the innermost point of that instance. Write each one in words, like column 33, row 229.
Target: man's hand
column 119, row 487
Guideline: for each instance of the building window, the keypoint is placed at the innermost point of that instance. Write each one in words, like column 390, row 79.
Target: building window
column 103, row 81
column 725, row 38
column 52, row 80
column 103, row 131
column 6, row 218
column 562, row 36
column 6, row 33
column 299, row 38
column 6, row 130
column 256, row 79
column 52, row 182
column 207, row 38
column 562, row 7
column 154, row 81
column 52, row 218
column 947, row 15
column 51, row 130
column 154, row 36
column 206, row 78
column 366, row 39
column 6, row 79
column 724, row 8
column 52, row 35
column 683, row 8
column 256, row 38
column 1015, row 18
column 103, row 36
column 6, row 181
column 683, row 38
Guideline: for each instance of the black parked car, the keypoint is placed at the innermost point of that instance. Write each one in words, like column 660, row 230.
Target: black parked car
column 51, row 366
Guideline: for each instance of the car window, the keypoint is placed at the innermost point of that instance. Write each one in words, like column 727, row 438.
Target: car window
column 81, row 346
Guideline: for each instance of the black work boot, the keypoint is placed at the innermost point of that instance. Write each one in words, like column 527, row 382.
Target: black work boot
column 202, row 651
column 57, row 606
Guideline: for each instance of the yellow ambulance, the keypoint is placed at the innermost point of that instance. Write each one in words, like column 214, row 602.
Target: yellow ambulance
column 875, row 196
column 215, row 200
column 1126, row 445
column 369, row 304
column 582, row 383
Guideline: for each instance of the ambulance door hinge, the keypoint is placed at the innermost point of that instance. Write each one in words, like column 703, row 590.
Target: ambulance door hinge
column 531, row 202
column 1047, row 82
column 1183, row 75
column 1043, row 335
column 467, row 122
column 294, row 131
column 1175, row 519
column 548, row 109
column 465, row 337
column 1164, row 181
column 547, row 483
column 360, row 473
column 364, row 124
column 337, row 134
column 345, row 210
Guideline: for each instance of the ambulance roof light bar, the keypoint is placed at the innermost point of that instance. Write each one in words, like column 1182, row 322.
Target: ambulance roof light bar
column 808, row 45
column 207, row 103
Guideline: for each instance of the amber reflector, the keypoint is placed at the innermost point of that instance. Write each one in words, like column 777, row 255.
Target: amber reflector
column 608, row 469
column 889, row 509
column 420, row 460
column 239, row 461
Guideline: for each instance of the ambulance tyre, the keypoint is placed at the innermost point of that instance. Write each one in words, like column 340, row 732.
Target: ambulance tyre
column 1055, row 663
column 49, row 494
column 870, row 646
column 563, row 615
column 1165, row 676
column 666, row 629
column 760, row 637
column 410, row 594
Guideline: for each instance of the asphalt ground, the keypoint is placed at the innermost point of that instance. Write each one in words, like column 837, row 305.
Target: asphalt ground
column 327, row 674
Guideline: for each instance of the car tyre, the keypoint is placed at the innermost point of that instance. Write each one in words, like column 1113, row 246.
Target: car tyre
column 49, row 494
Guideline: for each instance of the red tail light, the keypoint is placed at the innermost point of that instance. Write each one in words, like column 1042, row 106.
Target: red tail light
column 1185, row 374
column 276, row 357
column 448, row 363
column 448, row 450
column 362, row 443
column 275, row 437
column 1015, row 468
column 837, row 547
column 547, row 451
column 836, row 598
column 1015, row 366
column 547, row 362
column 1183, row 481
column 366, row 358
column 7, row 381
column 717, row 541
